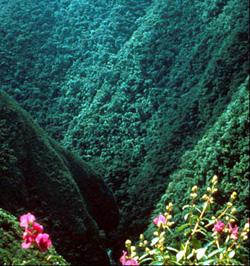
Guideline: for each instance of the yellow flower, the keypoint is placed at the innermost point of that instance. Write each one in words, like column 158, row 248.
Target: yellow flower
column 215, row 179
column 128, row 243
column 233, row 196
column 194, row 189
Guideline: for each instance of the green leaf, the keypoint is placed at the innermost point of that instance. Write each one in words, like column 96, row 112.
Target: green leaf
column 172, row 249
column 180, row 255
column 156, row 263
column 200, row 253
column 154, row 241
column 186, row 216
column 231, row 254
column 197, row 209
column 190, row 256
column 207, row 262
column 201, row 231
column 160, row 258
column 214, row 252
column 196, row 243
column 145, row 260
column 143, row 256
column 182, row 227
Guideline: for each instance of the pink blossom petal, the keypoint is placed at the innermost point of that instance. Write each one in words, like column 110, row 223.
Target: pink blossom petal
column 37, row 227
column 123, row 257
column 131, row 262
column 26, row 220
column 127, row 262
column 28, row 237
column 160, row 220
column 219, row 226
column 26, row 245
column 233, row 231
column 43, row 242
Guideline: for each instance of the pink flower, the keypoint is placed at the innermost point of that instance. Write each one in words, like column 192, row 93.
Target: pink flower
column 219, row 226
column 123, row 257
column 132, row 262
column 160, row 220
column 128, row 262
column 37, row 228
column 28, row 240
column 233, row 231
column 33, row 233
column 26, row 245
column 43, row 242
column 26, row 220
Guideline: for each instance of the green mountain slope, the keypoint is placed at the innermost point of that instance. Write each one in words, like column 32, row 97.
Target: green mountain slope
column 222, row 151
column 37, row 175
column 129, row 85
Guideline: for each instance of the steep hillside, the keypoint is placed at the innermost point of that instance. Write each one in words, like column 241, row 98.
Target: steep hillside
column 39, row 176
column 43, row 42
column 222, row 151
column 129, row 85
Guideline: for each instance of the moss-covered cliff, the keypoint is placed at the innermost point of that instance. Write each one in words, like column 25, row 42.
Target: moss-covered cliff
column 39, row 176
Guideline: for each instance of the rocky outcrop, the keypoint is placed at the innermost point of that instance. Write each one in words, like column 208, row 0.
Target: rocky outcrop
column 39, row 176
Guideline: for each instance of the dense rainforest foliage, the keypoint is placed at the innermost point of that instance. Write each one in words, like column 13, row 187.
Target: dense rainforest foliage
column 151, row 93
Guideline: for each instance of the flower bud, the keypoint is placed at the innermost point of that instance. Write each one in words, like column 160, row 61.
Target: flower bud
column 214, row 190
column 233, row 196
column 128, row 243
column 147, row 250
column 169, row 207
column 205, row 197
column 233, row 210
column 169, row 216
column 141, row 237
column 155, row 233
column 211, row 200
column 169, row 224
column 246, row 227
column 133, row 254
column 193, row 195
column 133, row 248
column 162, row 234
column 194, row 189
column 245, row 237
column 215, row 179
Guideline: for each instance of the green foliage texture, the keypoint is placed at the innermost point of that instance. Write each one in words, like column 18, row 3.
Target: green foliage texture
column 11, row 252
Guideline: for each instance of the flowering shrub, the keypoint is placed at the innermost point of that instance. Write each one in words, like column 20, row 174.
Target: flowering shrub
column 207, row 236
column 33, row 234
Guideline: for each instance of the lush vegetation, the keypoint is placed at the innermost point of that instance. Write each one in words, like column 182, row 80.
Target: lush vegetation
column 222, row 151
column 131, row 86
column 37, row 175
column 11, row 252
column 205, row 235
